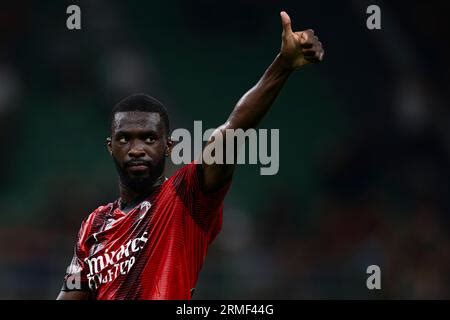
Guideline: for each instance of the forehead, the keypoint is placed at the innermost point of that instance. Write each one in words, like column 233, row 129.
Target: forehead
column 137, row 120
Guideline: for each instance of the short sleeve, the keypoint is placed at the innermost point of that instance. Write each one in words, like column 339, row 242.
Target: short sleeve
column 206, row 208
column 76, row 273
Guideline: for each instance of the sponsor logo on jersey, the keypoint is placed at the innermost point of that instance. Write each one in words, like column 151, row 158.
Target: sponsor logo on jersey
column 107, row 266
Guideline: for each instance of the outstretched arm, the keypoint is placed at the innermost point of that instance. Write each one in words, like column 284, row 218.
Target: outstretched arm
column 297, row 49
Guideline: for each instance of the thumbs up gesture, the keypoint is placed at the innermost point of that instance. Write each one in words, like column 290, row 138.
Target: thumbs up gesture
column 299, row 48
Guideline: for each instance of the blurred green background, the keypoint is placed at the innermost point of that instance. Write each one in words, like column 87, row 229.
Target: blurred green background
column 364, row 150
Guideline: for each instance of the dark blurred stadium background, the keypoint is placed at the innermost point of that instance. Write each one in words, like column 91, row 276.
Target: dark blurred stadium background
column 365, row 139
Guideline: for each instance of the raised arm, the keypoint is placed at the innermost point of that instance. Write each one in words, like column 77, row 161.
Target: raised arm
column 297, row 49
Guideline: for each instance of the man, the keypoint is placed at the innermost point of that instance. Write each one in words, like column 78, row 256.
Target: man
column 151, row 242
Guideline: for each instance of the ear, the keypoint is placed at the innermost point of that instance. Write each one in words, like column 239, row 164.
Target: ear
column 108, row 145
column 169, row 147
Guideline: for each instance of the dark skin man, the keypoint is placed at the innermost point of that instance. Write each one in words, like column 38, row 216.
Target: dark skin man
column 139, row 142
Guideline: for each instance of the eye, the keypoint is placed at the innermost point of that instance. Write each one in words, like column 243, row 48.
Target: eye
column 123, row 140
column 150, row 139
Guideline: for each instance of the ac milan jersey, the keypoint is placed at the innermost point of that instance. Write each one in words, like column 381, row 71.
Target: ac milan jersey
column 154, row 251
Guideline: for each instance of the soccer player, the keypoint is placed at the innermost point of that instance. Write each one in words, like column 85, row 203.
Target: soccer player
column 152, row 241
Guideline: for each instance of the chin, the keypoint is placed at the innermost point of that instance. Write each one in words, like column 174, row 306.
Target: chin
column 138, row 183
column 139, row 177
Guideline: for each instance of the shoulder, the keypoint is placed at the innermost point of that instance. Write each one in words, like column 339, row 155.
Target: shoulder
column 187, row 173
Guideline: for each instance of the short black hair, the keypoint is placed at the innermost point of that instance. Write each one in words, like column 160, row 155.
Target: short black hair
column 141, row 102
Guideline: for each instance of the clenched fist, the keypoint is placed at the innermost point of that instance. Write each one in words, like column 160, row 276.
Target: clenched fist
column 299, row 48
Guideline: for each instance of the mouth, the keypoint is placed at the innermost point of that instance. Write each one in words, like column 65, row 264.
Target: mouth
column 137, row 166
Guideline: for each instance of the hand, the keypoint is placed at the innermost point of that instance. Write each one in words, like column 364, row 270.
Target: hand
column 299, row 48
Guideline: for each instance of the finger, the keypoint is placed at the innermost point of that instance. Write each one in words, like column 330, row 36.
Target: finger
column 307, row 45
column 286, row 22
column 313, row 55
column 314, row 50
column 306, row 36
column 312, row 42
column 309, row 53
column 315, row 44
column 321, row 54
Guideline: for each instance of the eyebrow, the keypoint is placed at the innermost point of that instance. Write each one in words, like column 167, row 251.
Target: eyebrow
column 141, row 133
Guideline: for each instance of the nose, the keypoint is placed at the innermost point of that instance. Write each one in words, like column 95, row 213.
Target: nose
column 136, row 151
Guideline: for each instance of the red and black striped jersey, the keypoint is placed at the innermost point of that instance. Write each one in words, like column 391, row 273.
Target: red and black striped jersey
column 154, row 251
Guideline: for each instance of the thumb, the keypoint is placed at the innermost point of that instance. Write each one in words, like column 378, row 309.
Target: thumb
column 286, row 22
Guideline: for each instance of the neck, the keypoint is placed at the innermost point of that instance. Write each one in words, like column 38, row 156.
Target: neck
column 130, row 197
